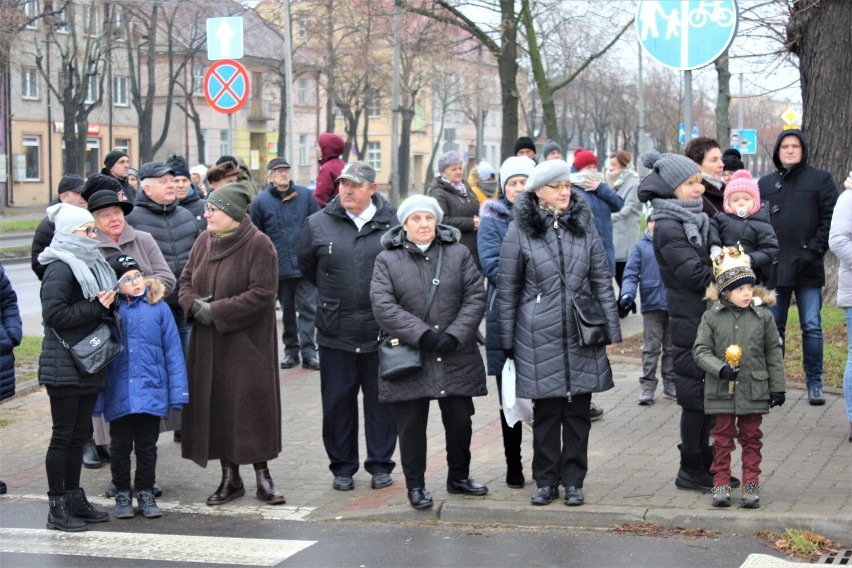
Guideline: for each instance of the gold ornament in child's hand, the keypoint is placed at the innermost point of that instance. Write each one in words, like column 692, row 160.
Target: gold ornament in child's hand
column 733, row 354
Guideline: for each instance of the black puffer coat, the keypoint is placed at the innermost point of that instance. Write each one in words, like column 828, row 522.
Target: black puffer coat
column 534, row 313
column 459, row 211
column 686, row 272
column 173, row 227
column 338, row 259
column 801, row 203
column 65, row 309
column 41, row 240
column 754, row 233
column 401, row 283
column 195, row 204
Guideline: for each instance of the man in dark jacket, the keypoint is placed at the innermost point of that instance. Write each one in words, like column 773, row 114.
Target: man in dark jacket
column 188, row 196
column 801, row 201
column 280, row 211
column 329, row 149
column 337, row 253
column 174, row 228
column 117, row 165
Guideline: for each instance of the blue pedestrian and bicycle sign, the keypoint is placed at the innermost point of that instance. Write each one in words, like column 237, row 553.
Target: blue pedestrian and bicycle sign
column 226, row 86
column 686, row 34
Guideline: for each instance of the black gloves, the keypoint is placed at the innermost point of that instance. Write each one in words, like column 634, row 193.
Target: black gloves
column 509, row 353
column 447, row 344
column 776, row 399
column 201, row 311
column 729, row 374
column 625, row 306
column 429, row 340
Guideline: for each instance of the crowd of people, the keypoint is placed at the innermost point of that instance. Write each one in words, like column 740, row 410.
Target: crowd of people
column 185, row 267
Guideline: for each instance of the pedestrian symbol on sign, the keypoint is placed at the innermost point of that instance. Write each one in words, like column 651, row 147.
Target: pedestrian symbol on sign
column 686, row 34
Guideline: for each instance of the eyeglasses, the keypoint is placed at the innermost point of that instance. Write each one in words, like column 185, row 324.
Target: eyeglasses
column 559, row 187
column 90, row 231
column 211, row 209
column 132, row 279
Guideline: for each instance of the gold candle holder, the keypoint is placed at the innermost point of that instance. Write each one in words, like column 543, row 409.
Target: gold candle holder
column 733, row 354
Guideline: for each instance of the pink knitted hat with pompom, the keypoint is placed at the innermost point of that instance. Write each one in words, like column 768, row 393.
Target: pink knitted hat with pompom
column 742, row 181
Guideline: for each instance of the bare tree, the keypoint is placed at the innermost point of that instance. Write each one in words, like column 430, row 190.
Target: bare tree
column 447, row 93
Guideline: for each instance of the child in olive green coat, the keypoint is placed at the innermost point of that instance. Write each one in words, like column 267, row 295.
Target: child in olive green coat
column 739, row 349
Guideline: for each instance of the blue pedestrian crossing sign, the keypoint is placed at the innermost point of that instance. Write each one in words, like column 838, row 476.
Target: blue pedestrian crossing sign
column 224, row 38
column 686, row 34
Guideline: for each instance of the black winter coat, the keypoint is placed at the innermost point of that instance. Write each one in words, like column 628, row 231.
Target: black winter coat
column 801, row 203
column 686, row 272
column 65, row 309
column 459, row 211
column 11, row 333
column 41, row 240
column 534, row 312
column 338, row 259
column 401, row 283
column 754, row 233
column 175, row 230
column 196, row 205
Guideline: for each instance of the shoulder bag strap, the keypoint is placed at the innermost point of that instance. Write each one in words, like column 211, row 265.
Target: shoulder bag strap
column 59, row 337
column 436, row 280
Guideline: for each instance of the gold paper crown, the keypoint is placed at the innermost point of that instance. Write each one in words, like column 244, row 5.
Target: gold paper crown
column 731, row 265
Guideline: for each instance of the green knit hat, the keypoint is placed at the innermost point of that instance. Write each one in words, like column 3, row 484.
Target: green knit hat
column 233, row 199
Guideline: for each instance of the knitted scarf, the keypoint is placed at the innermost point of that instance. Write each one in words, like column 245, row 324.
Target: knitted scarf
column 689, row 213
column 552, row 209
column 81, row 255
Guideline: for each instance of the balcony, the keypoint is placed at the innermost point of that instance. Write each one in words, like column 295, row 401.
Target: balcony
column 260, row 110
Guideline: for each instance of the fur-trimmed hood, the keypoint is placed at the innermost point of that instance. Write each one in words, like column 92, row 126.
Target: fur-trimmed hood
column 156, row 289
column 394, row 237
column 497, row 209
column 762, row 296
column 532, row 220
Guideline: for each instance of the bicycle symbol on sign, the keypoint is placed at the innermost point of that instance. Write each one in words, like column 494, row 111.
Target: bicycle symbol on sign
column 713, row 11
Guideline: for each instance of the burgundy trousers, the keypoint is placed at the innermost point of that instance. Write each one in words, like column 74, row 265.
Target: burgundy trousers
column 750, row 436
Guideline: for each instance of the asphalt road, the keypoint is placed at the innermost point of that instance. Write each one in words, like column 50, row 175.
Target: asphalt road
column 209, row 540
column 27, row 287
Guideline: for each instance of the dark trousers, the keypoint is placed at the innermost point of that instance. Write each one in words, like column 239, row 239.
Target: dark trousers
column 298, row 296
column 72, row 427
column 342, row 375
column 620, row 265
column 411, row 418
column 750, row 438
column 561, row 440
column 695, row 427
column 139, row 432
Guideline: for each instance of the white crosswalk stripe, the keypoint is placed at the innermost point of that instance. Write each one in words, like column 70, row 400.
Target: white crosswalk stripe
column 155, row 547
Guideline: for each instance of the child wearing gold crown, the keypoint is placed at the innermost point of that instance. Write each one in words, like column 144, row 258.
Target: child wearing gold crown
column 739, row 349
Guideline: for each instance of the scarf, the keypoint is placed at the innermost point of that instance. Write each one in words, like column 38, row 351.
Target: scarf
column 689, row 213
column 81, row 254
column 552, row 209
column 460, row 187
column 717, row 183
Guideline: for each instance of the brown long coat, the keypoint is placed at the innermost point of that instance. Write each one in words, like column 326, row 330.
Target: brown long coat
column 234, row 411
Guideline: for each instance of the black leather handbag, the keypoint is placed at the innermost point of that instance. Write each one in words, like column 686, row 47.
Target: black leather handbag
column 95, row 351
column 398, row 360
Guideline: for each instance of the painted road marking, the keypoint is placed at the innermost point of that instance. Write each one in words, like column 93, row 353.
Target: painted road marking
column 156, row 547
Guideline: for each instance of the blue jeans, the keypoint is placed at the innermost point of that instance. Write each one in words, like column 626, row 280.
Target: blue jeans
column 809, row 300
column 847, row 375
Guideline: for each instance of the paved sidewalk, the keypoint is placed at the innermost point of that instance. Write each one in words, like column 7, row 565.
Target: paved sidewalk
column 633, row 460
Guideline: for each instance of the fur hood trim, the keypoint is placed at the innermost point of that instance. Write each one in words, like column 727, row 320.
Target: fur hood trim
column 156, row 290
column 762, row 296
column 394, row 236
column 530, row 219
column 497, row 209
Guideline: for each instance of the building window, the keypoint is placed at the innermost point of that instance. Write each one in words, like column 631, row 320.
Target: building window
column 374, row 107
column 91, row 20
column 119, row 91
column 32, row 158
column 92, row 91
column 302, row 26
column 119, row 33
column 92, row 163
column 198, row 73
column 122, row 144
column 31, row 13
column 303, row 92
column 304, row 150
column 374, row 155
column 59, row 22
column 224, row 147
column 29, row 83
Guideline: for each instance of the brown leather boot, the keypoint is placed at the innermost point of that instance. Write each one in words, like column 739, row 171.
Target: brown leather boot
column 266, row 490
column 230, row 488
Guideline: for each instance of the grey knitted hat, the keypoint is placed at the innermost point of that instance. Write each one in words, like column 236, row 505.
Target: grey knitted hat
column 674, row 169
column 549, row 147
column 419, row 203
column 548, row 172
column 515, row 166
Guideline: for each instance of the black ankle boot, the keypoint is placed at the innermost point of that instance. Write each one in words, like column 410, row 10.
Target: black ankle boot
column 512, row 449
column 91, row 458
column 692, row 475
column 60, row 517
column 80, row 507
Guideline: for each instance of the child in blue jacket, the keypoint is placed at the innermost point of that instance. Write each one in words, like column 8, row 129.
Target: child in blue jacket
column 642, row 271
column 144, row 381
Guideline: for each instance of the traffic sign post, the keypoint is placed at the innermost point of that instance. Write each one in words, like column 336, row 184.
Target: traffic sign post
column 224, row 38
column 745, row 141
column 226, row 86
